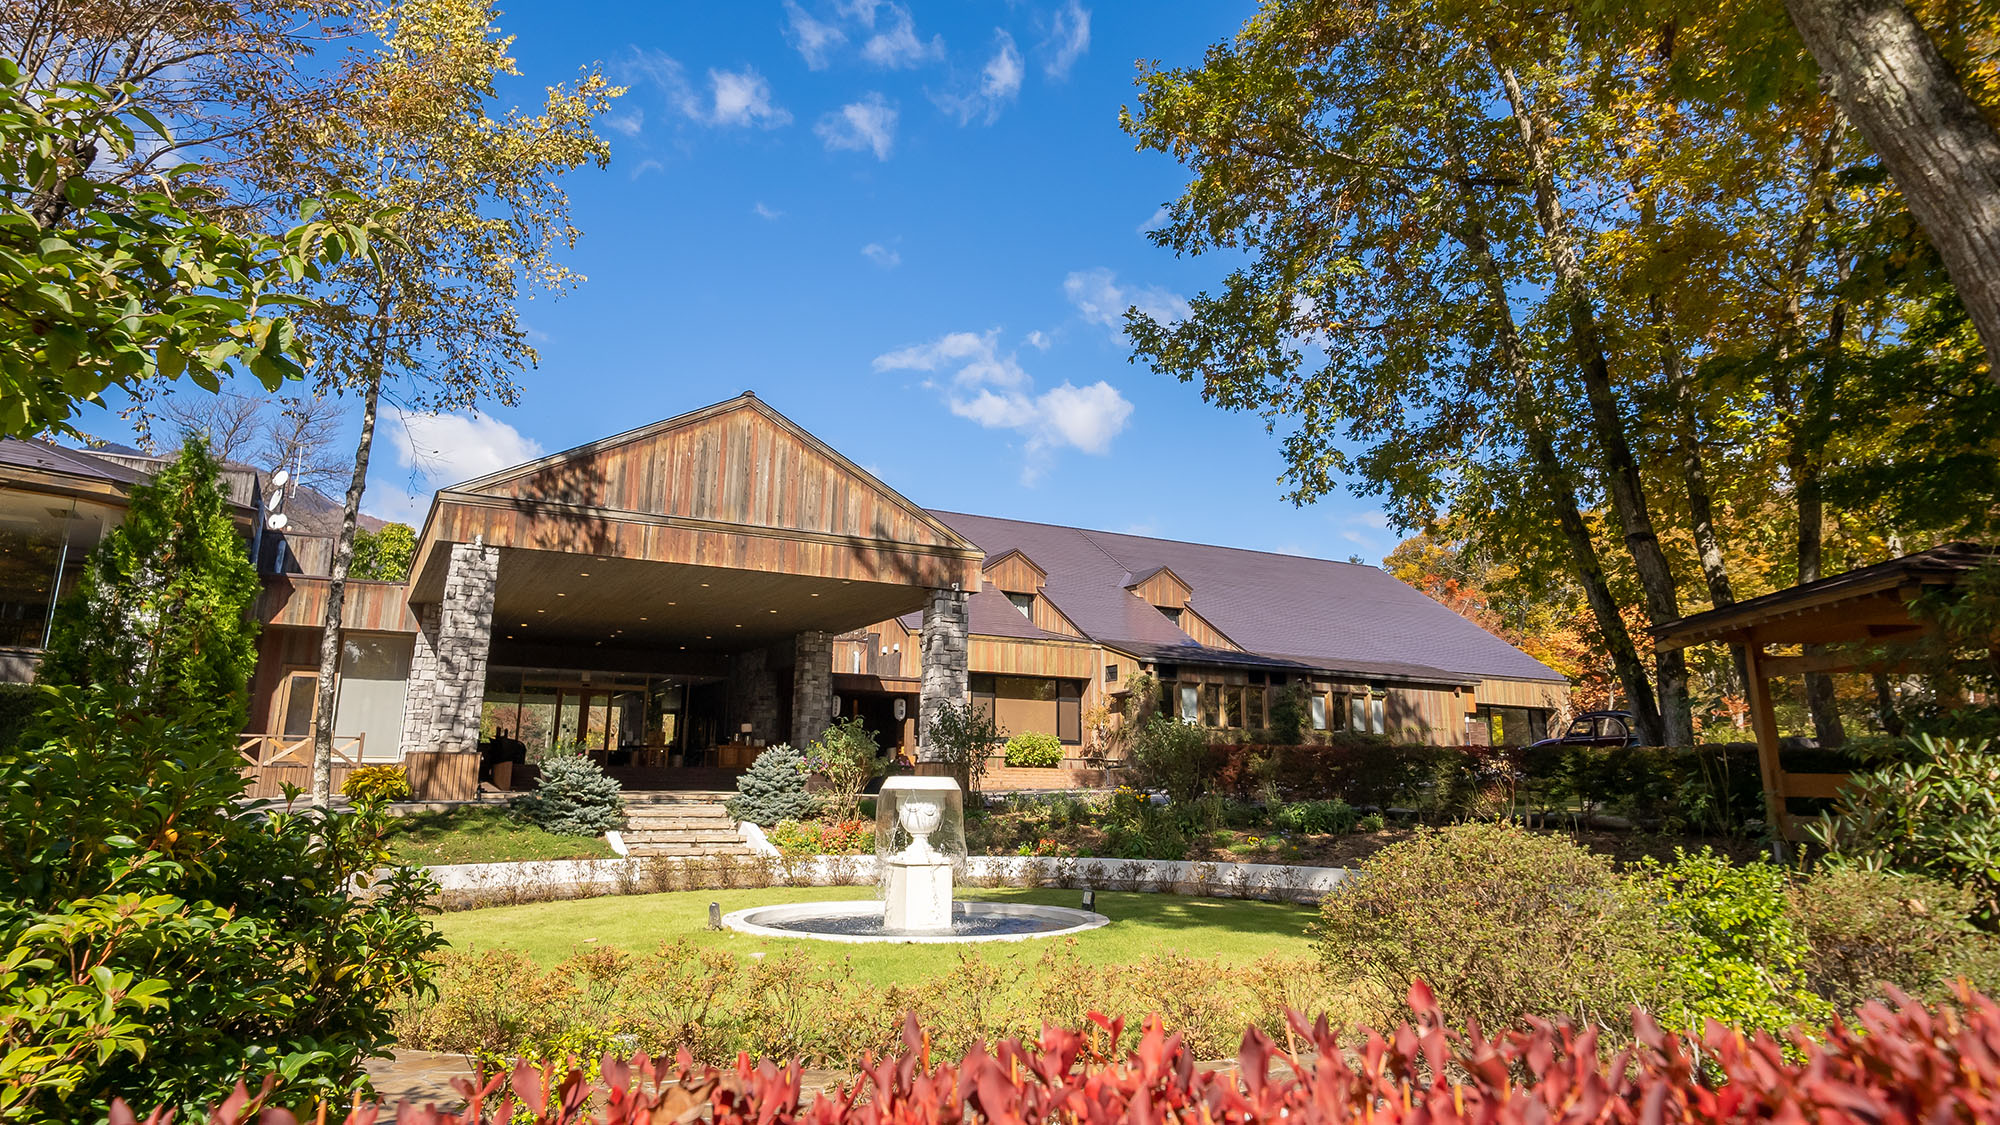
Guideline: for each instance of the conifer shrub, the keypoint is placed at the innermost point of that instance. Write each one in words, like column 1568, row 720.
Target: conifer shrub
column 163, row 605
column 573, row 798
column 1500, row 922
column 774, row 788
column 1033, row 749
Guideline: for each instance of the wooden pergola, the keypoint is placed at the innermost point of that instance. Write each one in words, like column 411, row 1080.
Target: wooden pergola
column 1858, row 613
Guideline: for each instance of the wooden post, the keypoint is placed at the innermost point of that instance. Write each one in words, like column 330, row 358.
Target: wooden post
column 1765, row 723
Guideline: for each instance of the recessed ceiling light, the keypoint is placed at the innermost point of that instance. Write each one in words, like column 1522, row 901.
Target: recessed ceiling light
column 560, row 594
column 673, row 603
column 739, row 626
column 524, row 624
column 541, row 611
column 815, row 595
column 642, row 616
column 774, row 611
column 704, row 585
column 708, row 637
column 583, row 574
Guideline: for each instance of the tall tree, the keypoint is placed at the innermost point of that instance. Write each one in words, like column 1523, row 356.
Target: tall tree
column 482, row 217
column 164, row 604
column 1940, row 145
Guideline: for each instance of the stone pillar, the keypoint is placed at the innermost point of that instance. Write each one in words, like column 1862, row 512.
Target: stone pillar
column 448, row 665
column 946, row 649
column 812, row 687
column 753, row 697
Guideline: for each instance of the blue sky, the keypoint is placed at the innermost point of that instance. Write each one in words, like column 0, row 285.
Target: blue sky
column 913, row 230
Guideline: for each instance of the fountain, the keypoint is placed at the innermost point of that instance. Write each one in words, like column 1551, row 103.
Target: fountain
column 919, row 851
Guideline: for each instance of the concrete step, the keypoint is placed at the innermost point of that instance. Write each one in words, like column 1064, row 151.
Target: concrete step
column 713, row 835
column 689, row 849
column 691, row 814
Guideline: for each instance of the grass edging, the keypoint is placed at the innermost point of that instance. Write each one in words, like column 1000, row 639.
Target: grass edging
column 467, row 886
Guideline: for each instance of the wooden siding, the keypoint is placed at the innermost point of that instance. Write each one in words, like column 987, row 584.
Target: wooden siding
column 371, row 607
column 903, row 661
column 1034, row 658
column 280, row 652
column 1015, row 573
column 1524, row 693
column 734, row 485
column 1197, row 626
column 1163, row 588
column 1432, row 715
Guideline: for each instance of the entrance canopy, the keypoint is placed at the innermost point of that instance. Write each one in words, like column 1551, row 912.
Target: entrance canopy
column 720, row 529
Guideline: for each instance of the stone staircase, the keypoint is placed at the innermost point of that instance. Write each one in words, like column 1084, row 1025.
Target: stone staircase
column 683, row 822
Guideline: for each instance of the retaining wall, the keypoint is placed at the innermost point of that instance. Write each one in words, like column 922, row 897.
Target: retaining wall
column 469, row 885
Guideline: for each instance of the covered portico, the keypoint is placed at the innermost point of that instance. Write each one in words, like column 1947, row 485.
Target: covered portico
column 669, row 596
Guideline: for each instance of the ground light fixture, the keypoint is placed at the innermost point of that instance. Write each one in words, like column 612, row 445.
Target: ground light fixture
column 714, row 915
column 1090, row 898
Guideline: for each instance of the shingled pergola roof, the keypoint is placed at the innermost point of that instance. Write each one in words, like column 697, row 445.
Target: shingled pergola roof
column 1868, row 604
column 1859, row 610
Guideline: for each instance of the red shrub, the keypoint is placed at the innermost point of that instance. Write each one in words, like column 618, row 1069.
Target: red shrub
column 1903, row 1067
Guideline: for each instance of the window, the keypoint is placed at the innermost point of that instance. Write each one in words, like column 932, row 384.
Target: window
column 1253, row 708
column 44, row 543
column 1317, row 703
column 374, row 674
column 1069, row 712
column 1211, row 705
column 1111, row 673
column 1232, row 707
column 1357, row 712
column 1190, row 703
column 1513, row 726
column 1025, row 603
column 1171, row 613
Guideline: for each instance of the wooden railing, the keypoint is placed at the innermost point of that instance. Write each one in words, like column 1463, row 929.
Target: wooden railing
column 284, row 749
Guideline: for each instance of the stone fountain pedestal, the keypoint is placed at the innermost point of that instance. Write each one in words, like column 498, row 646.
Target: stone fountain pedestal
column 916, row 888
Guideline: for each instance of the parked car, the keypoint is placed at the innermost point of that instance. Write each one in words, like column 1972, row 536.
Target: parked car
column 1609, row 729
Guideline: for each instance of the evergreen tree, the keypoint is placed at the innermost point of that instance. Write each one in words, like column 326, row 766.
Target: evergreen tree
column 774, row 788
column 164, row 604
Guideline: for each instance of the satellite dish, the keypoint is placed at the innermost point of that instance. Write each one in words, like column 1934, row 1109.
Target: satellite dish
column 274, row 501
column 277, row 521
column 279, row 478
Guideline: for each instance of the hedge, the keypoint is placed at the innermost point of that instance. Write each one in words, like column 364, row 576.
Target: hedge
column 1713, row 787
column 1912, row 1064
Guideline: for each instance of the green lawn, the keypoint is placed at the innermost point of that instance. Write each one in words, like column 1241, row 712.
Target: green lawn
column 473, row 834
column 1141, row 924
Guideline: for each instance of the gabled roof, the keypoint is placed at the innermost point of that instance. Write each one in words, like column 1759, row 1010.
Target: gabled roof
column 1285, row 610
column 661, row 469
column 1144, row 577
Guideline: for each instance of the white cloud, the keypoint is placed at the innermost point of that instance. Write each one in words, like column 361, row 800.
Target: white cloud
column 814, row 39
column 867, row 124
column 435, row 450
column 769, row 213
column 452, row 448
column 999, row 82
column 1157, row 220
column 895, row 43
column 630, row 124
column 1099, row 297
column 741, row 97
column 881, row 255
column 1039, row 340
column 734, row 97
column 645, row 166
column 1068, row 39
column 991, row 388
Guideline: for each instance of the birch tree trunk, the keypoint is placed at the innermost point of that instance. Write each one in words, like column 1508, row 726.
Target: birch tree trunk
column 1895, row 86
column 332, row 634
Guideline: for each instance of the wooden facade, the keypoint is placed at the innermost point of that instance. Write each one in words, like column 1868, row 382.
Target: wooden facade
column 735, row 486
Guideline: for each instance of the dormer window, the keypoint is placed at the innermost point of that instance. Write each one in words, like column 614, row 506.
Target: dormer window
column 1171, row 613
column 1025, row 603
